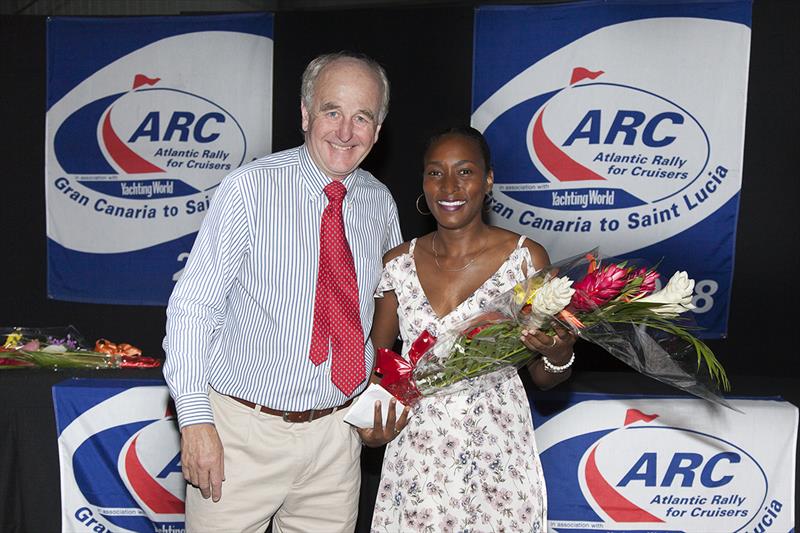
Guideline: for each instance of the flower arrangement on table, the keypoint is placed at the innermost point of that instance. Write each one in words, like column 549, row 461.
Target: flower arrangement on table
column 57, row 348
column 614, row 305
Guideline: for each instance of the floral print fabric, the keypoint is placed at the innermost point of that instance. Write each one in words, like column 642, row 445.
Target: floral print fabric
column 466, row 462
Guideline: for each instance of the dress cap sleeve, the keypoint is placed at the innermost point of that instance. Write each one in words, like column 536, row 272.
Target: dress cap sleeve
column 396, row 272
column 388, row 280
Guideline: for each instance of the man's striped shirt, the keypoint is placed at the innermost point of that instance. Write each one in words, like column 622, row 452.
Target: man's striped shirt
column 240, row 317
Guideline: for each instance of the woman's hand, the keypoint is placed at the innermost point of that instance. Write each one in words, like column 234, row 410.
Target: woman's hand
column 557, row 348
column 378, row 434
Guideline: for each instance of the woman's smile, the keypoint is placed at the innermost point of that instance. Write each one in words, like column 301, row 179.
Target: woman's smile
column 451, row 205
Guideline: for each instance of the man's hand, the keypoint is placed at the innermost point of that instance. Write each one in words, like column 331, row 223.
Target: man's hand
column 378, row 434
column 201, row 459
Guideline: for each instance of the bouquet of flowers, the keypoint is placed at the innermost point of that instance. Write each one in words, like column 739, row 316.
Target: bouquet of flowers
column 615, row 305
column 65, row 348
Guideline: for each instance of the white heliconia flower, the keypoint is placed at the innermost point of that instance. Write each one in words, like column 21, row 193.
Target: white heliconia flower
column 550, row 299
column 676, row 297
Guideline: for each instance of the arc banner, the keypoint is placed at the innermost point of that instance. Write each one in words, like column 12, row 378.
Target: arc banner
column 119, row 456
column 145, row 116
column 620, row 124
column 645, row 464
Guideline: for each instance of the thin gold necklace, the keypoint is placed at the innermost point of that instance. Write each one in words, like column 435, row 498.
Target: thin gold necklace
column 469, row 264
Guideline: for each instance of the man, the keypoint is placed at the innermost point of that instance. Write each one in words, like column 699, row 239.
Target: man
column 268, row 328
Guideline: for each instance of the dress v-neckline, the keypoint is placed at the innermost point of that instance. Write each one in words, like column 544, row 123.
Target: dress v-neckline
column 441, row 318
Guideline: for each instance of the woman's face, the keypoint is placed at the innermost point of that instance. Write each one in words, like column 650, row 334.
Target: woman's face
column 455, row 180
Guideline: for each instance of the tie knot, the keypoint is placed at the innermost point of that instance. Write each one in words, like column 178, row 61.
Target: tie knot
column 335, row 191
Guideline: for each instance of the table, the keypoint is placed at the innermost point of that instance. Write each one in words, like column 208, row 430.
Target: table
column 30, row 496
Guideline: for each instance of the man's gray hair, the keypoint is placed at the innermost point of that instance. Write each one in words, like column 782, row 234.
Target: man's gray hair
column 318, row 64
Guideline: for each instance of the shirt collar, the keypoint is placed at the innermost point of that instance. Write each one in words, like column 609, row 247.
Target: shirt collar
column 316, row 180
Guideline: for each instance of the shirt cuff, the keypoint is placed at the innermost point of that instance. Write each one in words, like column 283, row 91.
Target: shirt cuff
column 194, row 408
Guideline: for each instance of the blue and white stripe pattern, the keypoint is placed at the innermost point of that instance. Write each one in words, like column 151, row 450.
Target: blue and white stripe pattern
column 240, row 317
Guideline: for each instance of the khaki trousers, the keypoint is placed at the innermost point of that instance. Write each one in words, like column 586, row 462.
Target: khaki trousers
column 307, row 475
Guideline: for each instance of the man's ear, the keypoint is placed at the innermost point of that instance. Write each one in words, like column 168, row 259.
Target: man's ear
column 304, row 115
column 377, row 131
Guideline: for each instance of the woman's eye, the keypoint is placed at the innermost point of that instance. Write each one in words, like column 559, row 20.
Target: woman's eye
column 433, row 173
column 465, row 172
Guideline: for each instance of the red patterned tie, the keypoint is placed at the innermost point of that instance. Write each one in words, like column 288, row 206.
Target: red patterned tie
column 337, row 320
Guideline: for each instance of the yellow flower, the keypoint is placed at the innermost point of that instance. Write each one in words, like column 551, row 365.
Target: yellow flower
column 13, row 340
column 519, row 294
column 525, row 292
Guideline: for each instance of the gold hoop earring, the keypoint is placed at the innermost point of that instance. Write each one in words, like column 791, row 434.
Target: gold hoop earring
column 420, row 211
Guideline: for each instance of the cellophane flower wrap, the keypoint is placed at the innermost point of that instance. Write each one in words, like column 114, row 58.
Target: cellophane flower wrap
column 64, row 347
column 464, row 356
column 613, row 304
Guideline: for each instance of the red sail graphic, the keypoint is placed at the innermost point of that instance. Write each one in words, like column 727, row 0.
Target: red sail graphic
column 128, row 160
column 563, row 167
column 619, row 508
column 156, row 497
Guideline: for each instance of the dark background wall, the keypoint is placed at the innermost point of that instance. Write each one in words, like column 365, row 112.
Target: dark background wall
column 427, row 52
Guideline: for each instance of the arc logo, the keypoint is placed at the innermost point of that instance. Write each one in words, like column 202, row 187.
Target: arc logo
column 149, row 465
column 120, row 465
column 137, row 148
column 670, row 472
column 648, row 473
column 610, row 143
column 150, row 142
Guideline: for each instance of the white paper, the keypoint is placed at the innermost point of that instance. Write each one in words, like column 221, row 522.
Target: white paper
column 362, row 413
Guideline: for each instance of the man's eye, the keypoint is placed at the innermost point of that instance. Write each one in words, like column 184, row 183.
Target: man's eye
column 361, row 119
column 332, row 114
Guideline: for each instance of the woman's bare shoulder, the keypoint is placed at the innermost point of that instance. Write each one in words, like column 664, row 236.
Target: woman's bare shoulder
column 537, row 251
column 504, row 238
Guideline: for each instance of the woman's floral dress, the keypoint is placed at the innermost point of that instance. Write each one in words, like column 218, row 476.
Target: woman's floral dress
column 466, row 461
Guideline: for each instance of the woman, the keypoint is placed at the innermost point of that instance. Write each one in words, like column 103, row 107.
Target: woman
column 466, row 461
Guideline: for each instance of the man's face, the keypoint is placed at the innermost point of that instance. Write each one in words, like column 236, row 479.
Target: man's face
column 342, row 125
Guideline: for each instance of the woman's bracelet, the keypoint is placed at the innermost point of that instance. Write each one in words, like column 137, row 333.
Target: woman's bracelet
column 556, row 369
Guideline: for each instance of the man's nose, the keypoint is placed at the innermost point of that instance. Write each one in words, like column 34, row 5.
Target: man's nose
column 345, row 131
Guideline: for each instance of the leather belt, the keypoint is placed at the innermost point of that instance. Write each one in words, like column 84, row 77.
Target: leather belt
column 295, row 416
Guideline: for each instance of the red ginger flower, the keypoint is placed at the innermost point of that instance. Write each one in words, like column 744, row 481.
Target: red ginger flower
column 599, row 287
column 649, row 278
